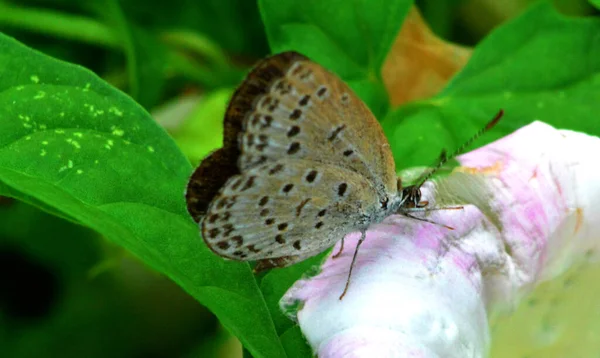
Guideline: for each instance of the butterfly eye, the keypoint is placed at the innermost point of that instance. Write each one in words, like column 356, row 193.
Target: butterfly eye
column 384, row 203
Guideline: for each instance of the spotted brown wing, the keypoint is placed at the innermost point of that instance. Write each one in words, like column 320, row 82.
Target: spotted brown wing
column 287, row 208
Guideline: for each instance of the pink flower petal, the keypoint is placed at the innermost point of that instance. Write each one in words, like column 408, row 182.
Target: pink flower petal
column 420, row 290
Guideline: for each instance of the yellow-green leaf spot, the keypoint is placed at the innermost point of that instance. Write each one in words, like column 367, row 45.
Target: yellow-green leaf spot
column 150, row 149
column 34, row 79
column 44, row 142
column 40, row 95
column 27, row 125
column 117, row 131
column 87, row 87
column 42, row 126
column 78, row 134
column 96, row 161
column 28, row 137
column 20, row 88
column 43, row 152
column 62, row 114
column 74, row 143
column 115, row 111
column 70, row 164
column 109, row 144
column 79, row 171
column 59, row 131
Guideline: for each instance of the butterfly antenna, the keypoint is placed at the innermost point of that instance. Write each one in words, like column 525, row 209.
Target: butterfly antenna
column 444, row 158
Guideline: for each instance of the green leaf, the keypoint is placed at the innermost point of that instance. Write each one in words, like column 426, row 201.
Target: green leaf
column 596, row 3
column 74, row 143
column 540, row 66
column 275, row 284
column 146, row 57
column 202, row 132
column 351, row 38
column 295, row 344
column 233, row 24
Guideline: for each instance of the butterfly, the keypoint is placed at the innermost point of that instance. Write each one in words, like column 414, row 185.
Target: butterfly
column 304, row 162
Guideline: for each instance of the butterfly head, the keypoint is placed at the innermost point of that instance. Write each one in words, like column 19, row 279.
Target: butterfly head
column 411, row 197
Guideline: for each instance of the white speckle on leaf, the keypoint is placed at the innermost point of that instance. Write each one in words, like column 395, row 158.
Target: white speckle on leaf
column 62, row 169
column 150, row 149
column 79, row 171
column 43, row 153
column 74, row 143
column 87, row 87
column 114, row 110
column 27, row 125
column 40, row 95
column 70, row 164
column 59, row 131
column 42, row 126
column 20, row 88
column 28, row 137
column 44, row 142
column 78, row 134
column 34, row 79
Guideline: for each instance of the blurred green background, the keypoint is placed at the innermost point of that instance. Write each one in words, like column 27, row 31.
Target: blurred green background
column 64, row 290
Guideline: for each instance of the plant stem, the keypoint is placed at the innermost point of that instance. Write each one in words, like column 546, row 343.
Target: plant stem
column 197, row 44
column 59, row 24
column 84, row 29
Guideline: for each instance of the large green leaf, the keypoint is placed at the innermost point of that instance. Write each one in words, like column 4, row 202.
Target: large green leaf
column 540, row 66
column 351, row 38
column 72, row 142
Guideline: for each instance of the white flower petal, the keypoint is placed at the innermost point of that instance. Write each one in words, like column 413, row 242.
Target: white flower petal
column 421, row 290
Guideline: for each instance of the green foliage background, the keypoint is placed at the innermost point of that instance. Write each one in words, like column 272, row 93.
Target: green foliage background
column 84, row 149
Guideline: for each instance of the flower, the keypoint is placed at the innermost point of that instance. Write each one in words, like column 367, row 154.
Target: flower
column 421, row 290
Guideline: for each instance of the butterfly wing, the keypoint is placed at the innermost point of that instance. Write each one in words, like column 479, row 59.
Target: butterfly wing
column 291, row 107
column 287, row 208
column 207, row 179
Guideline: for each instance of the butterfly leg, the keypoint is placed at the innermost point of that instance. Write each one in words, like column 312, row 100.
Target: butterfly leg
column 363, row 235
column 427, row 221
column 339, row 251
